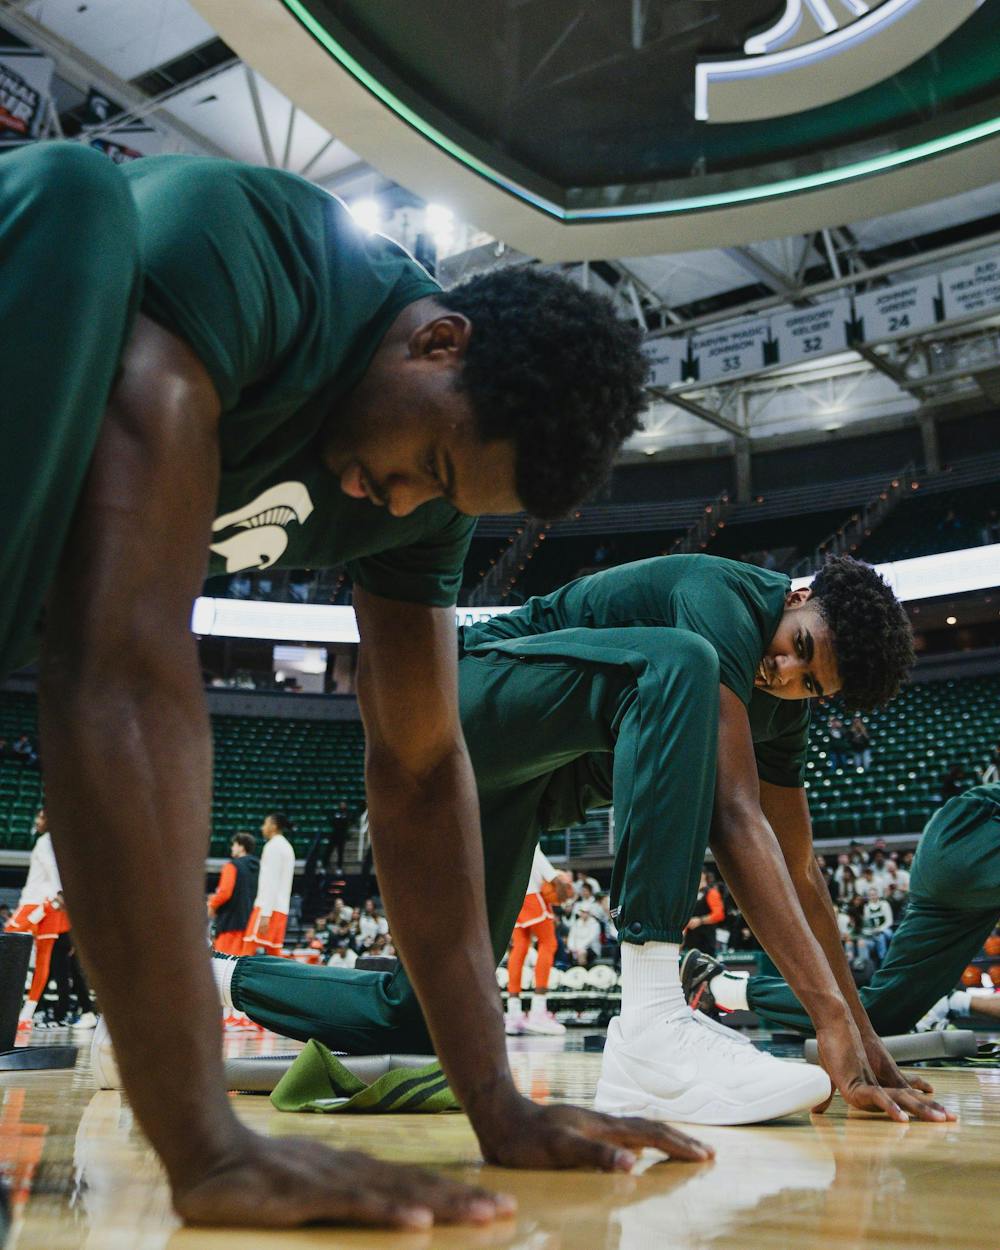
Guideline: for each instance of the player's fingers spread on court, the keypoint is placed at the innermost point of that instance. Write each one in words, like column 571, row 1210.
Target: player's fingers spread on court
column 636, row 1133
column 874, row 1098
column 449, row 1201
column 922, row 1107
column 917, row 1082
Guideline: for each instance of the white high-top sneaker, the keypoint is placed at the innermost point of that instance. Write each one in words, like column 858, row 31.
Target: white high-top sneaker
column 691, row 1070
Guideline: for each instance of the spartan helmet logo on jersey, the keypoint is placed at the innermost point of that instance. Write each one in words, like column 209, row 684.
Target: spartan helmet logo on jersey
column 820, row 51
column 255, row 536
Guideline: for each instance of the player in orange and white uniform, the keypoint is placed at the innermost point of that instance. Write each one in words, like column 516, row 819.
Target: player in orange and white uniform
column 40, row 912
column 546, row 886
column 269, row 918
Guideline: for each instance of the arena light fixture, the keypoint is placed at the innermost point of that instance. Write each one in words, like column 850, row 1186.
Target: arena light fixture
column 685, row 204
column 367, row 213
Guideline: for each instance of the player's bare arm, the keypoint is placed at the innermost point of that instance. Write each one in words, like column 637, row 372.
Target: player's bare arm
column 751, row 861
column 424, row 822
column 787, row 811
column 121, row 682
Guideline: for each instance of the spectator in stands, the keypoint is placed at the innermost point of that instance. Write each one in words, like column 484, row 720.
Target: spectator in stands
column 876, row 923
column 340, row 821
column 580, row 879
column 23, row 751
column 953, row 783
column 322, row 935
column 843, row 887
column 5, row 914
column 898, row 899
column 230, row 906
column 867, row 881
column 991, row 528
column 371, row 924
column 344, row 955
column 707, row 915
column 6, row 750
column 583, row 941
column 991, row 773
column 860, row 741
column 837, row 751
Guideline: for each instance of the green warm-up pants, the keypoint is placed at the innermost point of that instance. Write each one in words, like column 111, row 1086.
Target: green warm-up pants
column 954, row 904
column 69, row 254
column 555, row 724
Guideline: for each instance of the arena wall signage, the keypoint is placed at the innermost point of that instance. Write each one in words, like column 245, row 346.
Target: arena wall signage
column 821, row 51
column 25, row 81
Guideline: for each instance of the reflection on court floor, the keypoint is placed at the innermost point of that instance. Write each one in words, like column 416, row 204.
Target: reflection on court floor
column 79, row 1175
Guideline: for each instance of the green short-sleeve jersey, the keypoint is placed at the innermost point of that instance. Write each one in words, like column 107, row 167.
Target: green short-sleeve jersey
column 285, row 300
column 735, row 607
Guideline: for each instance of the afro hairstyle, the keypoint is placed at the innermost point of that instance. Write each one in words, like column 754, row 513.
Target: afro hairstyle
column 872, row 638
column 555, row 369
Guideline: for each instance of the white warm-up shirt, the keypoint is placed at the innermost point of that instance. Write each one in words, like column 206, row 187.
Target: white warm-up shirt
column 277, row 871
column 43, row 873
column 541, row 871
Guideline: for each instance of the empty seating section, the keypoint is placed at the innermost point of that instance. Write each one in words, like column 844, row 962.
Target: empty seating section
column 20, row 787
column 915, row 741
column 299, row 767
column 302, row 767
column 262, row 764
column 927, row 523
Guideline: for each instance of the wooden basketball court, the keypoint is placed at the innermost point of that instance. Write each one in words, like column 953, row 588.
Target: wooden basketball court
column 79, row 1175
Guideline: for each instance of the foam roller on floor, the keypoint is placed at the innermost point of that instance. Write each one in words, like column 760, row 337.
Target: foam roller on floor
column 259, row 1074
column 912, row 1047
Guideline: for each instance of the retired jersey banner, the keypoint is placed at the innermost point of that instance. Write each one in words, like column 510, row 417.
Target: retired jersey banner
column 718, row 355
column 809, row 333
column 972, row 290
column 898, row 310
column 25, row 80
column 666, row 361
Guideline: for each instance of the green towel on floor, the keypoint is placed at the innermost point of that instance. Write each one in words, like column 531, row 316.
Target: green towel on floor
column 318, row 1081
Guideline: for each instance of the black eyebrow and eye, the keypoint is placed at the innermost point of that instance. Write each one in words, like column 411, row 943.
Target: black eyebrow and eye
column 806, row 648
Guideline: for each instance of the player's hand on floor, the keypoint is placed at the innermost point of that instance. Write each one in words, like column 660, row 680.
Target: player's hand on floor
column 532, row 1136
column 845, row 1059
column 889, row 1076
column 288, row 1181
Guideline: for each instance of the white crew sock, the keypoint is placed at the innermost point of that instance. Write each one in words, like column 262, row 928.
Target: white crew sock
column 514, row 1007
column 539, row 1004
column 651, row 984
column 222, row 971
column 27, row 1011
column 729, row 989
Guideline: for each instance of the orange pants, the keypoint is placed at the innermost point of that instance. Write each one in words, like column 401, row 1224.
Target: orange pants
column 44, row 931
column 230, row 943
column 272, row 939
column 545, row 933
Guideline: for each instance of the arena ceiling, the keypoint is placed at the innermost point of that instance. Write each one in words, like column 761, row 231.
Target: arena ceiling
column 518, row 114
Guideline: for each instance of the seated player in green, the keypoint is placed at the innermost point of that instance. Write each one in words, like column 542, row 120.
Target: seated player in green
column 679, row 689
column 953, row 905
column 203, row 356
